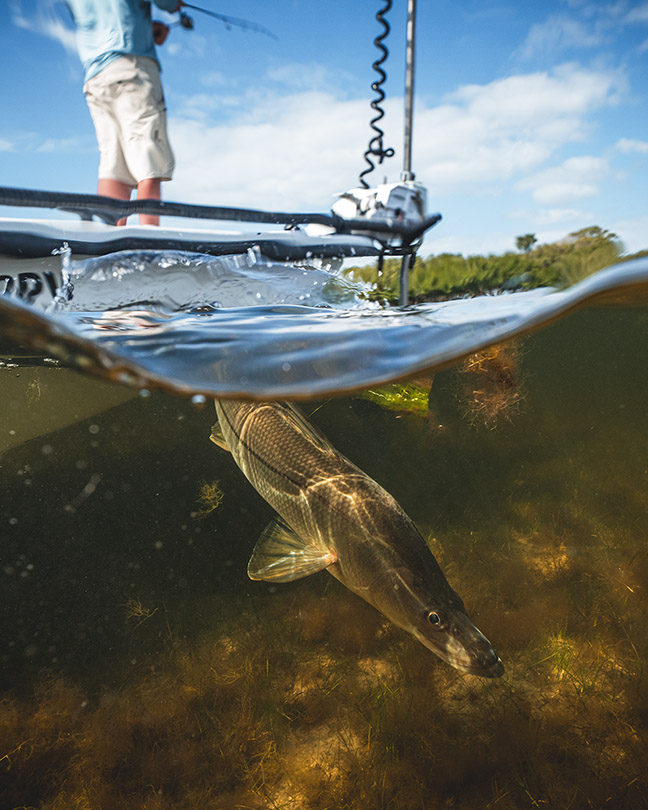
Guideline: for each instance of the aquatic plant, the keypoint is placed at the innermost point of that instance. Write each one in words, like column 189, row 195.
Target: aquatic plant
column 489, row 386
column 210, row 497
column 135, row 610
column 411, row 397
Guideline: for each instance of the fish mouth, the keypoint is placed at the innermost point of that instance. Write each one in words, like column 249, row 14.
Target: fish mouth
column 494, row 670
column 458, row 657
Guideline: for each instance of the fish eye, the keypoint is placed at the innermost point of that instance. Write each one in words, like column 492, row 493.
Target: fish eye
column 434, row 618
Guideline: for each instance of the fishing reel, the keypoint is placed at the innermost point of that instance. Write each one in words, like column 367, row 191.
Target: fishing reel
column 186, row 21
column 183, row 21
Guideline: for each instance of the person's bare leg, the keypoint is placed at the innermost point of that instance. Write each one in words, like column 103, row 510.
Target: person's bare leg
column 114, row 188
column 149, row 190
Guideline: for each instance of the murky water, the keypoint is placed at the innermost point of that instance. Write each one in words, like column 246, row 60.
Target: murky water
column 141, row 668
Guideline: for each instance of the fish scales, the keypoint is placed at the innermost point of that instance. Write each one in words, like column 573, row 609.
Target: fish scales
column 299, row 475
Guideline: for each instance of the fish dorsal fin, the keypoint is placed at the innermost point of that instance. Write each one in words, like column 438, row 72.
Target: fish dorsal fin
column 297, row 419
column 280, row 555
column 218, row 438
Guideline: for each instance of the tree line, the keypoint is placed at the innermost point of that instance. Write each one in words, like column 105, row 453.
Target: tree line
column 448, row 275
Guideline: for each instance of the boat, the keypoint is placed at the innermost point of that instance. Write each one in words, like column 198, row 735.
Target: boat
column 387, row 221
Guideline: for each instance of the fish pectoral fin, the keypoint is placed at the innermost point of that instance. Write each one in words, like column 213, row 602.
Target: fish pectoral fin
column 218, row 438
column 281, row 555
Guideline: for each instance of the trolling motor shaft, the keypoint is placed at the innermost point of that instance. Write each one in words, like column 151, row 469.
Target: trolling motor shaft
column 409, row 90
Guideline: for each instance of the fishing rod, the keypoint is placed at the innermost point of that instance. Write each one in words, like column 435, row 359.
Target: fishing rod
column 247, row 25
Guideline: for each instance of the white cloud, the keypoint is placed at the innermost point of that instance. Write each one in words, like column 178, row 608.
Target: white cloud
column 6, row 146
column 629, row 145
column 214, row 78
column 61, row 145
column 550, row 216
column 559, row 32
column 301, row 77
column 295, row 149
column 529, row 99
column 468, row 244
column 589, row 25
column 638, row 14
column 633, row 232
column 294, row 154
column 575, row 179
column 487, row 134
column 44, row 21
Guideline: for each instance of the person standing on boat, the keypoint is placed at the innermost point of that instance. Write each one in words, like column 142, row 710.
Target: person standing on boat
column 116, row 40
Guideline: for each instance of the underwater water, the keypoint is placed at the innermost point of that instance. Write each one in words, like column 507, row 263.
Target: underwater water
column 141, row 668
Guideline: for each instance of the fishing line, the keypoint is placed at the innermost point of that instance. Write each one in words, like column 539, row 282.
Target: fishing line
column 247, row 25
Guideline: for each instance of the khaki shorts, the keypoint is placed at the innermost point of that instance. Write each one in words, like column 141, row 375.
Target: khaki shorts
column 129, row 114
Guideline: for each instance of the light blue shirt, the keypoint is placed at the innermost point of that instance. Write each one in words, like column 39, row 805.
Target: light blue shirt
column 108, row 29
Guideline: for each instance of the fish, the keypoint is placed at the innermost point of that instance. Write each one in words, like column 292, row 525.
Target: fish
column 332, row 516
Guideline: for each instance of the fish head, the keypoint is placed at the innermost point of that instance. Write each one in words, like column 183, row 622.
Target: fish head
column 430, row 610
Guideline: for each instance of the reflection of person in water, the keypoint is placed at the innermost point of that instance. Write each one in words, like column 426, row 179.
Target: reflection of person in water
column 116, row 41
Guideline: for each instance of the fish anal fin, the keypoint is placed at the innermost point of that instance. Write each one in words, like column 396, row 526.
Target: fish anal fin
column 218, row 438
column 280, row 555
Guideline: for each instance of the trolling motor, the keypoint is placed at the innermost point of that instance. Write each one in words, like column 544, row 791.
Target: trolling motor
column 404, row 202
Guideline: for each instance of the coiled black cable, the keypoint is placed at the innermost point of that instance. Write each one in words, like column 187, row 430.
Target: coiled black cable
column 376, row 147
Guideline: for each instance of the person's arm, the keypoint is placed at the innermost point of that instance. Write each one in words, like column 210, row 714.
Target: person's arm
column 160, row 30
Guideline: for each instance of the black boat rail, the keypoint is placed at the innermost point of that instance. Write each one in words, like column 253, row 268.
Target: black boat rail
column 110, row 211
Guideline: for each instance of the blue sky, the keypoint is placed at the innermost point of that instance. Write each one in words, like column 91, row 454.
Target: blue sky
column 530, row 117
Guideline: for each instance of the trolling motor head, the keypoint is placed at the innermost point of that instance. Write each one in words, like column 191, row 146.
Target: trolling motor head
column 404, row 202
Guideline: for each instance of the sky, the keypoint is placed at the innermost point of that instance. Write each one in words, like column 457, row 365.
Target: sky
column 530, row 117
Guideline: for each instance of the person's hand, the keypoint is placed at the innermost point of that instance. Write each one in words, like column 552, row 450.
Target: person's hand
column 160, row 32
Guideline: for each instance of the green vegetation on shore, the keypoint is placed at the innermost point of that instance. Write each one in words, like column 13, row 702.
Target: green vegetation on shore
column 450, row 275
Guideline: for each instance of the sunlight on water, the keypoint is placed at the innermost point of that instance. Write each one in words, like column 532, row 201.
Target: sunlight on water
column 141, row 668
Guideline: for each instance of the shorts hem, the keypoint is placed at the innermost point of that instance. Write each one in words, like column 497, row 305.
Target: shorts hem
column 121, row 180
column 133, row 185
